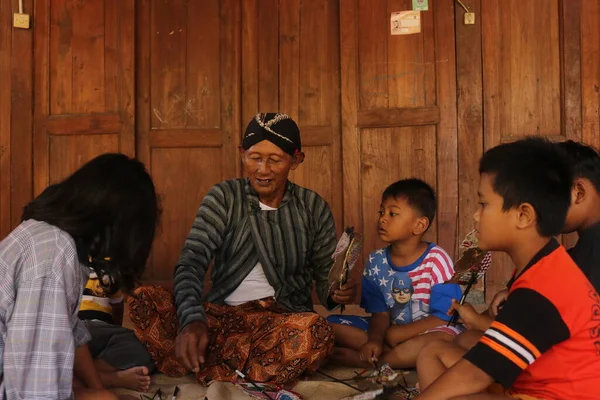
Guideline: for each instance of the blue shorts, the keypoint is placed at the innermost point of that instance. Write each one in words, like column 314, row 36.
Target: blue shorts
column 355, row 321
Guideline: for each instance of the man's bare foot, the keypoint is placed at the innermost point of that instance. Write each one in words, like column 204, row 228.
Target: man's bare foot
column 135, row 378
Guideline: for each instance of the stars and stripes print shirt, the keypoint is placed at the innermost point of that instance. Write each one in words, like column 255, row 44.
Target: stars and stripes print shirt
column 411, row 292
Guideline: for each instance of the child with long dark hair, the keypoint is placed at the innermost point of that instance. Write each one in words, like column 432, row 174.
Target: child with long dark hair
column 103, row 217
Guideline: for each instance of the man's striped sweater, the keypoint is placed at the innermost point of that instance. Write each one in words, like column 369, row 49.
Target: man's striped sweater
column 294, row 244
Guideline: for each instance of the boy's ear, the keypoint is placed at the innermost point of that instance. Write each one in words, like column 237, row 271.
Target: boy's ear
column 525, row 216
column 421, row 226
column 580, row 189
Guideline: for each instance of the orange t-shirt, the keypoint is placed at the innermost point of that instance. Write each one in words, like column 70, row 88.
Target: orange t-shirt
column 545, row 342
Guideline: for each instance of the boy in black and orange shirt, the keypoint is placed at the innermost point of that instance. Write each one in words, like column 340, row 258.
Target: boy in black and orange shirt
column 584, row 214
column 551, row 310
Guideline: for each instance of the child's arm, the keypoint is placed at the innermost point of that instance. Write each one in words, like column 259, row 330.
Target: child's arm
column 84, row 368
column 117, row 311
column 527, row 326
column 373, row 301
column 378, row 325
column 401, row 333
column 439, row 303
column 470, row 317
column 497, row 303
column 463, row 378
column 116, row 302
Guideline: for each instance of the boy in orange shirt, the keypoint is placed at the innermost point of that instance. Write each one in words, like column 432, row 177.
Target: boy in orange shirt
column 552, row 309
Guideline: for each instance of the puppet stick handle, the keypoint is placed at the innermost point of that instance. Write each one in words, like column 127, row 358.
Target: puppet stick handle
column 344, row 280
column 263, row 391
column 454, row 318
column 343, row 307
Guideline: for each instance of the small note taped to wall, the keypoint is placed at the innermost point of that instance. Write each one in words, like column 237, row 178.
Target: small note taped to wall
column 406, row 22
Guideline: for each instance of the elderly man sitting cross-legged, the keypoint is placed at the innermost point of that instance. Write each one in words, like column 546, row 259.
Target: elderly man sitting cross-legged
column 269, row 240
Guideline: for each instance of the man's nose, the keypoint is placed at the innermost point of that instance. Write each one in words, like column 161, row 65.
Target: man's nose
column 263, row 166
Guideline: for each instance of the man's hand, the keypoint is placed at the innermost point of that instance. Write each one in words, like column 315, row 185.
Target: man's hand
column 346, row 294
column 468, row 315
column 190, row 345
column 370, row 351
column 498, row 302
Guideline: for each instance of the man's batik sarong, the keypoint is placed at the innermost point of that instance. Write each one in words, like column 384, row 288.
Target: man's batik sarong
column 259, row 338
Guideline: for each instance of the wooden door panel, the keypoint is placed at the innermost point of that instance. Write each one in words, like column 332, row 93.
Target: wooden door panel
column 291, row 65
column 383, row 164
column 183, row 176
column 398, row 112
column 394, row 71
column 523, row 93
column 70, row 152
column 589, row 89
column 521, row 69
column 83, row 101
column 188, row 116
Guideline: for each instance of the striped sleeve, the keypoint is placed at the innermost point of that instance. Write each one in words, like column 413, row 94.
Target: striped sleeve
column 204, row 239
column 442, row 266
column 527, row 326
column 323, row 247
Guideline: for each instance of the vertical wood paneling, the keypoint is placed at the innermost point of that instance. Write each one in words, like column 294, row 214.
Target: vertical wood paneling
column 469, row 116
column 590, row 71
column 398, row 112
column 203, row 68
column 446, row 135
column 21, row 118
column 189, row 115
column 5, row 110
column 75, row 119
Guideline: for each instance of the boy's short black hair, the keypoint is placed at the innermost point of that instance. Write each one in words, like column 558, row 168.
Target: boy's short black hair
column 584, row 161
column 417, row 193
column 533, row 171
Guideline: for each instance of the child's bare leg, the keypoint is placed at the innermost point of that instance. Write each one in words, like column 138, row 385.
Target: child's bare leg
column 135, row 378
column 348, row 341
column 434, row 359
column 468, row 339
column 343, row 356
column 405, row 354
column 483, row 396
column 349, row 336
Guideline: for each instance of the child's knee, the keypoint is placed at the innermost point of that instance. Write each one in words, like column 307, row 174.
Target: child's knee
column 434, row 349
column 468, row 339
column 435, row 346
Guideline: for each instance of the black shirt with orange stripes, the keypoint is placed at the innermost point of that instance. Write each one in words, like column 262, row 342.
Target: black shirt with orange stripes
column 551, row 319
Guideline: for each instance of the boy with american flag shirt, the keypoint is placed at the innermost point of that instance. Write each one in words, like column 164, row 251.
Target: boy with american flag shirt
column 402, row 286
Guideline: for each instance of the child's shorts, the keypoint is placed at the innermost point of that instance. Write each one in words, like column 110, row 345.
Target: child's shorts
column 362, row 323
column 117, row 346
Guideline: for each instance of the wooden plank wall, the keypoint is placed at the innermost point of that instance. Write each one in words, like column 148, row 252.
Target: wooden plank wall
column 176, row 82
column 398, row 112
column 16, row 117
column 524, row 68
